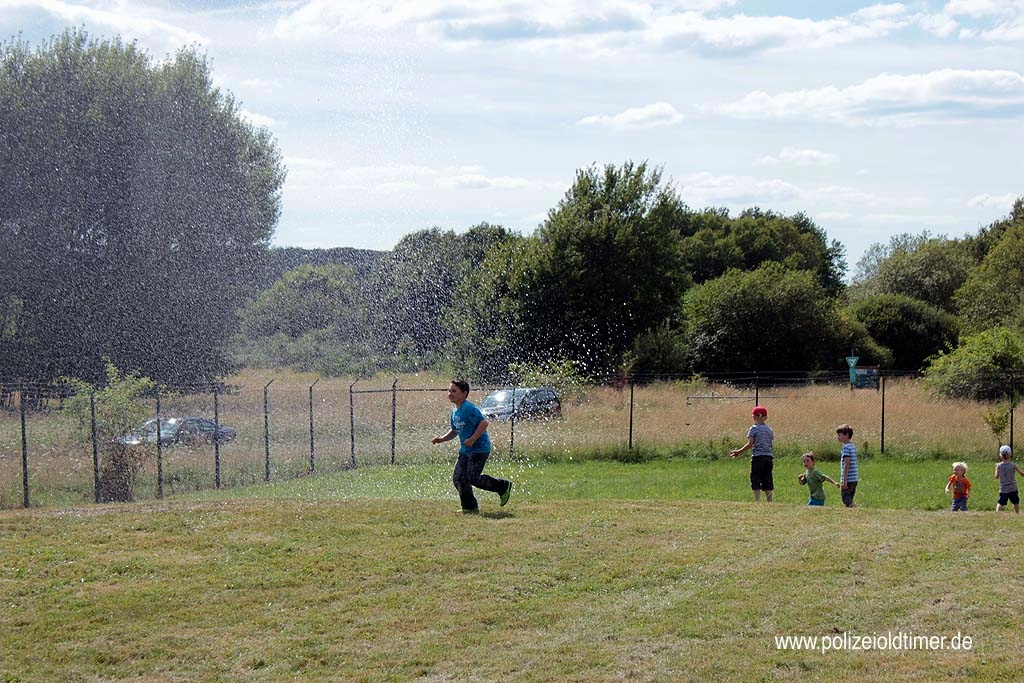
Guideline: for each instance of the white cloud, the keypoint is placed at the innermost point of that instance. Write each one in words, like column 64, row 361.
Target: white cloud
column 124, row 20
column 947, row 95
column 707, row 189
column 327, row 175
column 650, row 116
column 258, row 120
column 799, row 157
column 1001, row 201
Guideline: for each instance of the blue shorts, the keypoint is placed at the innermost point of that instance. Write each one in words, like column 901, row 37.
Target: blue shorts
column 959, row 504
column 817, row 502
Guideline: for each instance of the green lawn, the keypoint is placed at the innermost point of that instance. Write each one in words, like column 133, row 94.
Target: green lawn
column 593, row 572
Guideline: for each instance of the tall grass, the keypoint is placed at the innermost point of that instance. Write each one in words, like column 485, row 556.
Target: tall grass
column 662, row 421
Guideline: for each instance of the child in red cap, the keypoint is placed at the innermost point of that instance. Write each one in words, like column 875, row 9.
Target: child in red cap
column 759, row 443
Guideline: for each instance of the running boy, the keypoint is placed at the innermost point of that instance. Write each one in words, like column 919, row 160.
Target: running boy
column 759, row 443
column 1006, row 473
column 470, row 425
column 848, row 462
column 960, row 486
column 815, row 480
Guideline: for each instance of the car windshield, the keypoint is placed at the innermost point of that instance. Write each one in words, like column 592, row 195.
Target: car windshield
column 167, row 426
column 501, row 399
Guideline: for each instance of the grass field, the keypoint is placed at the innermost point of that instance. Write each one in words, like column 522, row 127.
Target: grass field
column 596, row 571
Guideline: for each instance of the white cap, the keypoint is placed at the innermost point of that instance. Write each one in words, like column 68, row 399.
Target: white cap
column 1004, row 450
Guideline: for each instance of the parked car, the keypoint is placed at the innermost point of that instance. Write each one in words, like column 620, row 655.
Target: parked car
column 189, row 431
column 527, row 402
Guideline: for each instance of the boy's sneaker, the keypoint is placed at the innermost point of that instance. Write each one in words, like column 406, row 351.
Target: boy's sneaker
column 471, row 511
column 505, row 496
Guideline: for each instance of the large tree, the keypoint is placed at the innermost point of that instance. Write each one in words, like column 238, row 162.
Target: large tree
column 714, row 242
column 771, row 318
column 604, row 267
column 413, row 286
column 922, row 267
column 135, row 204
column 312, row 318
column 993, row 293
column 912, row 329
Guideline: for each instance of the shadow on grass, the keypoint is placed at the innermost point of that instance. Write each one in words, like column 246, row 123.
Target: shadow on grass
column 502, row 514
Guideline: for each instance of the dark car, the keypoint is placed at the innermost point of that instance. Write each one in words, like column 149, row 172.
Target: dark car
column 189, row 431
column 526, row 401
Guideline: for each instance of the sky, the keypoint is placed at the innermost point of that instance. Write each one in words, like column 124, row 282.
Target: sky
column 397, row 116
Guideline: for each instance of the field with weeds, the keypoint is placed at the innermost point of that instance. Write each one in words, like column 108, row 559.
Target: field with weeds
column 595, row 571
column 291, row 423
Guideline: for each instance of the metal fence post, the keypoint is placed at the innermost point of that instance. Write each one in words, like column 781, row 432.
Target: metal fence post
column 512, row 424
column 24, row 449
column 352, row 418
column 159, row 451
column 394, row 418
column 631, row 385
column 312, row 447
column 881, row 448
column 1013, row 402
column 95, row 446
column 266, row 430
column 216, row 438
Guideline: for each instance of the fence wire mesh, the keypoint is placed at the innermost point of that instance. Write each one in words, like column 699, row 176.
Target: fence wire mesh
column 289, row 427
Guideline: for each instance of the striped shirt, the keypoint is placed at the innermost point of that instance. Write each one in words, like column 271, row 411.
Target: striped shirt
column 762, row 436
column 849, row 452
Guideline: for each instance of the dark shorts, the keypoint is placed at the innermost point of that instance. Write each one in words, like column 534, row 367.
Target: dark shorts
column 761, row 474
column 959, row 505
column 1011, row 497
column 848, row 493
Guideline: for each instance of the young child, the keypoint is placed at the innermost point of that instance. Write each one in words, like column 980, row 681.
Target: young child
column 759, row 443
column 960, row 486
column 849, row 472
column 815, row 481
column 470, row 425
column 1006, row 473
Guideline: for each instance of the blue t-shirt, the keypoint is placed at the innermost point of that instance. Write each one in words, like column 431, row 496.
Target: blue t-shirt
column 465, row 419
column 849, row 452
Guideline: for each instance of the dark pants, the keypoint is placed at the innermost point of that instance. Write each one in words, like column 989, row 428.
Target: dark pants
column 469, row 472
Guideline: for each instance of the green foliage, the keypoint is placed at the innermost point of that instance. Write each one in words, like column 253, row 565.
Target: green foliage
column 412, row 289
column 921, row 267
column 713, row 243
column 912, row 329
column 657, row 353
column 119, row 410
column 565, row 376
column 993, row 294
column 851, row 336
column 312, row 319
column 603, row 267
column 997, row 417
column 304, row 299
column 135, row 205
column 980, row 368
column 767, row 319
column 487, row 331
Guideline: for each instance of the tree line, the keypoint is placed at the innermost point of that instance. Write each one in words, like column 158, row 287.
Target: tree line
column 137, row 208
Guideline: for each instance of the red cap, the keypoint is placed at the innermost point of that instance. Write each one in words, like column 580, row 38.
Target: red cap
column 759, row 411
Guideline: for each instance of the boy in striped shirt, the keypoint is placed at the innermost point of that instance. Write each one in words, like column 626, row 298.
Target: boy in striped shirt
column 848, row 460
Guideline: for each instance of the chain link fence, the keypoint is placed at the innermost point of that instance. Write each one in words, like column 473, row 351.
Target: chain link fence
column 287, row 427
